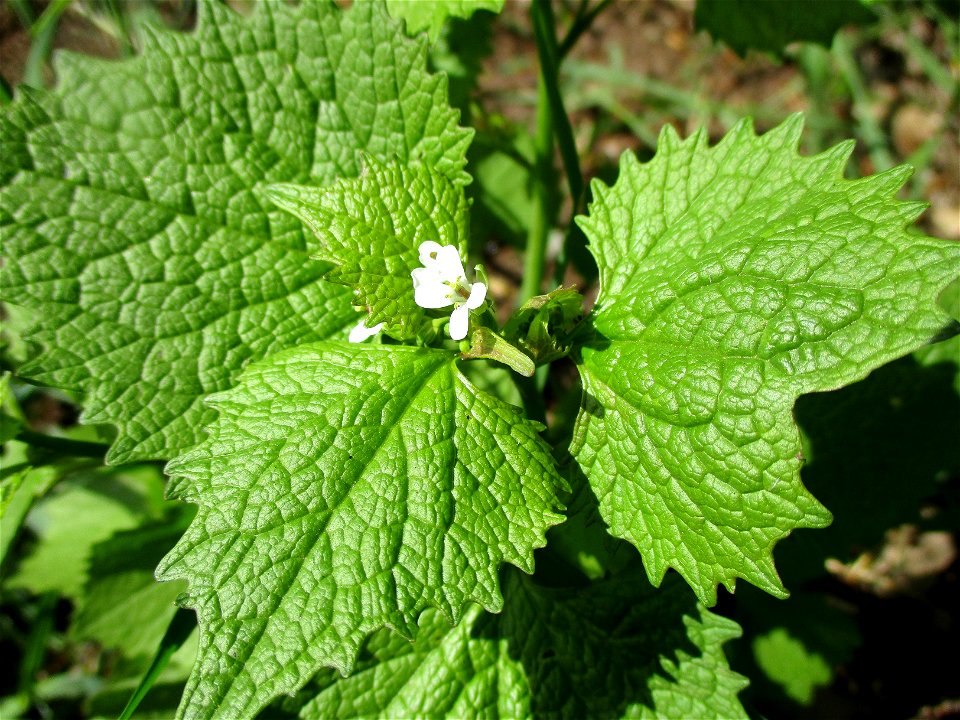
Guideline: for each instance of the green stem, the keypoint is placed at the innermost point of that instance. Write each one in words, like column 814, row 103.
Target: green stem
column 920, row 159
column 24, row 12
column 36, row 645
column 29, row 489
column 177, row 633
column 532, row 395
column 868, row 128
column 580, row 25
column 63, row 446
column 42, row 33
column 815, row 65
column 123, row 31
column 536, row 249
column 544, row 30
column 548, row 52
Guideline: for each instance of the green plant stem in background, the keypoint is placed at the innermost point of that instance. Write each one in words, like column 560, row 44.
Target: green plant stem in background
column 868, row 128
column 814, row 61
column 36, row 646
column 581, row 24
column 42, row 32
column 920, row 160
column 24, row 12
column 609, row 80
column 124, row 29
column 536, row 249
column 544, row 29
column 932, row 67
column 179, row 629
column 63, row 446
column 531, row 393
column 549, row 55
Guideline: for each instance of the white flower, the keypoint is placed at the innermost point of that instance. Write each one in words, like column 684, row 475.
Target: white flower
column 441, row 282
column 361, row 332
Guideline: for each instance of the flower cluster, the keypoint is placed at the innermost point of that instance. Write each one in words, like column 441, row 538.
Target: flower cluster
column 441, row 282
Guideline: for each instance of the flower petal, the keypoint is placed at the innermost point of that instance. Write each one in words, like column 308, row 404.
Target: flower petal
column 459, row 322
column 478, row 293
column 425, row 276
column 428, row 252
column 361, row 332
column 432, row 295
column 450, row 265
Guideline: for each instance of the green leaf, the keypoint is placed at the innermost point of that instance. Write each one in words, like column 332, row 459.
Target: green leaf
column 176, row 638
column 733, row 280
column 160, row 687
column 430, row 15
column 80, row 512
column 123, row 607
column 18, row 491
column 789, row 663
column 345, row 488
column 132, row 209
column 875, row 453
column 613, row 649
column 770, row 25
column 503, row 190
column 794, row 646
column 542, row 327
column 370, row 228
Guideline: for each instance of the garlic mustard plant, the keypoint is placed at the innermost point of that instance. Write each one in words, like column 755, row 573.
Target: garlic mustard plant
column 530, row 522
column 441, row 282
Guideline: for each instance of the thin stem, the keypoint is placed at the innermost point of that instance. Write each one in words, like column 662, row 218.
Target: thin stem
column 546, row 36
column 544, row 28
column 869, row 129
column 179, row 629
column 36, row 645
column 49, row 17
column 24, row 12
column 63, row 446
column 536, row 249
column 581, row 24
column 815, row 64
column 42, row 33
column 532, row 395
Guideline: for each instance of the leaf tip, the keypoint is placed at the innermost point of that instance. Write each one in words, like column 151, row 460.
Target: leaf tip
column 911, row 210
column 668, row 140
column 889, row 182
column 838, row 156
column 791, row 129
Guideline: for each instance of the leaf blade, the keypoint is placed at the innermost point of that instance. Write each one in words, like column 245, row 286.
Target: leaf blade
column 615, row 649
column 371, row 227
column 735, row 278
column 133, row 211
column 363, row 482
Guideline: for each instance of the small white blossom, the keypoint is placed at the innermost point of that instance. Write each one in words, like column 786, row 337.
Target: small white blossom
column 441, row 282
column 361, row 332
